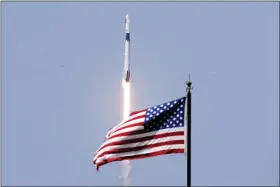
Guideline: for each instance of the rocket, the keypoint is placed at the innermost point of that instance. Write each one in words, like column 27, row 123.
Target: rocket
column 126, row 75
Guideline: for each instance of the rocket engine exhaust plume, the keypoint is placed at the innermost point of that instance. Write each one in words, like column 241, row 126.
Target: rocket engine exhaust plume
column 125, row 164
column 125, row 172
column 126, row 99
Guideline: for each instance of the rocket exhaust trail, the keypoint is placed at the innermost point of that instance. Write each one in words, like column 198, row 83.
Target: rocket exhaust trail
column 125, row 164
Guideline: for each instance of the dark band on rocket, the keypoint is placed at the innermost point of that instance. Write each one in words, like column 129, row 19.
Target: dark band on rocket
column 127, row 36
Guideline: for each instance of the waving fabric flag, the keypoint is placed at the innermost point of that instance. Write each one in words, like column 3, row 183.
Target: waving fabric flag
column 151, row 132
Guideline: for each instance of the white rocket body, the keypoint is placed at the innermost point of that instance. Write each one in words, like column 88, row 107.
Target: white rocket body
column 127, row 50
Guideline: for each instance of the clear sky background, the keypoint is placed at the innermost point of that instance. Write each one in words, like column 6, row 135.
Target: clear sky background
column 62, row 70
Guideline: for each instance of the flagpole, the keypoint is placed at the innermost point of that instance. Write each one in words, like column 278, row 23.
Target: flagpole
column 189, row 100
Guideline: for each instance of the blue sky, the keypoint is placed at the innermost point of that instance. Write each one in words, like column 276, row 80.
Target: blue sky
column 62, row 69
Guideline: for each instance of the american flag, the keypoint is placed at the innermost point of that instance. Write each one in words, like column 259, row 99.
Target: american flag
column 151, row 132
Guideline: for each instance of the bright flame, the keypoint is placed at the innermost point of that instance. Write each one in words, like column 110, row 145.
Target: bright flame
column 126, row 99
column 125, row 164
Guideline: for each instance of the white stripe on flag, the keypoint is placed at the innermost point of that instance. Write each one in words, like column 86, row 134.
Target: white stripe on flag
column 138, row 144
column 144, row 151
column 131, row 137
column 129, row 118
column 140, row 120
column 128, row 129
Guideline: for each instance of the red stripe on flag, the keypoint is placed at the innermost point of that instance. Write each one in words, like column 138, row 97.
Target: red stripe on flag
column 132, row 125
column 122, row 142
column 147, row 155
column 137, row 117
column 128, row 133
column 129, row 149
column 135, row 112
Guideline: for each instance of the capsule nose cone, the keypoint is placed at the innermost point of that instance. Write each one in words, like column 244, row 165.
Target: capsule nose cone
column 126, row 18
